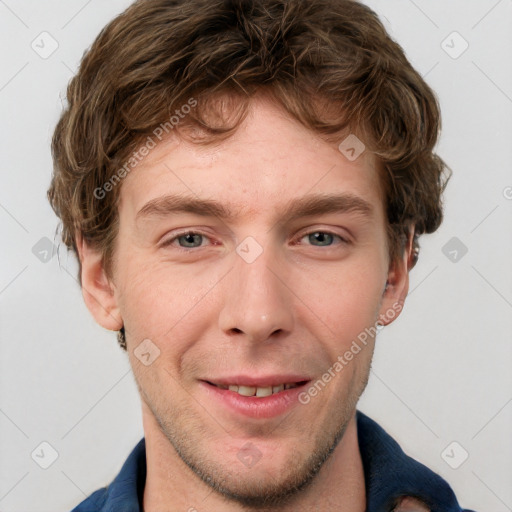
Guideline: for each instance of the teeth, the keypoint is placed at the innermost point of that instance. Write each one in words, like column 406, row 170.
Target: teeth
column 264, row 391
column 246, row 390
column 257, row 391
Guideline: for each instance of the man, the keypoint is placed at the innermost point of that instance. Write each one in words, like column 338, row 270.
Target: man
column 244, row 184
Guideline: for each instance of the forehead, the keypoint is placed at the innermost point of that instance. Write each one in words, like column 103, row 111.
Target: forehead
column 270, row 160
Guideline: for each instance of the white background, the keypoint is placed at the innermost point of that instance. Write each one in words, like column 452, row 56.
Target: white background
column 442, row 373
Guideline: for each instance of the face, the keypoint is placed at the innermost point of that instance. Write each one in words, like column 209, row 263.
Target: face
column 264, row 286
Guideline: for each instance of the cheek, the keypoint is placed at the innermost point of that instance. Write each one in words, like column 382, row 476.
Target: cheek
column 163, row 303
column 343, row 295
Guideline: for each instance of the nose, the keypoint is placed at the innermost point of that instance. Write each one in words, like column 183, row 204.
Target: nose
column 258, row 304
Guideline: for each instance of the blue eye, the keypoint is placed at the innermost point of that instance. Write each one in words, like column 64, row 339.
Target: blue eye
column 324, row 238
column 187, row 240
column 190, row 239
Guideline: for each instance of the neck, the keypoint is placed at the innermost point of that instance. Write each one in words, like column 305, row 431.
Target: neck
column 172, row 486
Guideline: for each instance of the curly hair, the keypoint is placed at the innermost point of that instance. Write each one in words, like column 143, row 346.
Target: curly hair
column 329, row 63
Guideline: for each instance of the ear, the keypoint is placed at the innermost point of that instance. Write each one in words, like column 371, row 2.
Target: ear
column 97, row 290
column 397, row 285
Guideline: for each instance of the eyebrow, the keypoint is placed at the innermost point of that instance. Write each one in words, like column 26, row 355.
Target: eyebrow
column 306, row 206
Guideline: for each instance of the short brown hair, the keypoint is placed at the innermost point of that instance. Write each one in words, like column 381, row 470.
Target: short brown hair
column 329, row 63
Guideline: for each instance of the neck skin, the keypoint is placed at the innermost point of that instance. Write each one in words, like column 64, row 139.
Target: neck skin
column 173, row 487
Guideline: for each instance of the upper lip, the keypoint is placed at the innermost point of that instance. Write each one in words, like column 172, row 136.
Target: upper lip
column 259, row 382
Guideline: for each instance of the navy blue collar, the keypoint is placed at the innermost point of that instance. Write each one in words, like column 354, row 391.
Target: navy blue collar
column 389, row 474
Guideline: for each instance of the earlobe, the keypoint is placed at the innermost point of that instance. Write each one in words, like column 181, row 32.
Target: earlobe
column 397, row 287
column 97, row 289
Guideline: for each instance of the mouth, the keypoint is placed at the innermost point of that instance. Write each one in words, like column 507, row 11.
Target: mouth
column 260, row 398
column 259, row 391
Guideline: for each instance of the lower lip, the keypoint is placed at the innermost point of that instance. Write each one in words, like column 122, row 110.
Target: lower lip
column 253, row 406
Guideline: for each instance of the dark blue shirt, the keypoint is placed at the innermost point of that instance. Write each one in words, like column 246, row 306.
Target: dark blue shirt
column 389, row 475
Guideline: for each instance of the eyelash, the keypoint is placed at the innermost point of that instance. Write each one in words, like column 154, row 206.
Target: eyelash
column 170, row 241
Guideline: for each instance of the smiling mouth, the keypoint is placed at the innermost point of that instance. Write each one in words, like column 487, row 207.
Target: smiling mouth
column 258, row 391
